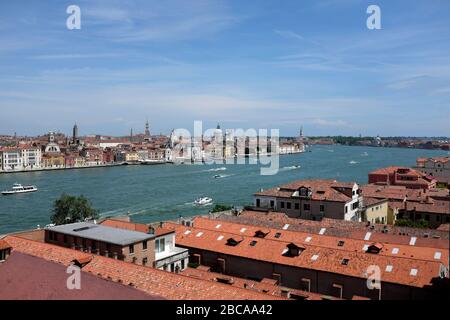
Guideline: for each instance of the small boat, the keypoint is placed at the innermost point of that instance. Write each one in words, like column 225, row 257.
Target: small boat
column 203, row 201
column 217, row 176
column 18, row 188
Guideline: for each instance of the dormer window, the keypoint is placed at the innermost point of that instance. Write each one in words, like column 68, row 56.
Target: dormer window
column 293, row 250
column 233, row 242
column 261, row 234
column 304, row 192
column 375, row 248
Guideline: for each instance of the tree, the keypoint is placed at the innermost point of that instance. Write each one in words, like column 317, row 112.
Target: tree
column 70, row 209
column 422, row 224
column 220, row 208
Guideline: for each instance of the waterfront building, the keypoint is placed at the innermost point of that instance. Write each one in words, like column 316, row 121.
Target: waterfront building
column 317, row 262
column 438, row 167
column 313, row 199
column 23, row 157
column 53, row 160
column 11, row 159
column 402, row 176
column 108, row 155
column 93, row 156
column 156, row 154
column 131, row 156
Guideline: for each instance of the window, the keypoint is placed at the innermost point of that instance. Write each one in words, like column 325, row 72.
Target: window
column 221, row 265
column 144, row 261
column 277, row 276
column 341, row 243
column 272, row 203
column 297, row 206
column 306, row 206
column 322, row 208
column 160, row 245
column 345, row 261
column 338, row 290
column 289, row 205
column 144, row 245
column 306, row 285
column 282, row 205
column 258, row 203
column 253, row 243
column 131, row 248
column 346, row 209
column 277, row 235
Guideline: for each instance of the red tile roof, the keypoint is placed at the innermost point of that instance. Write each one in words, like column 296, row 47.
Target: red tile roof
column 268, row 286
column 315, row 239
column 4, row 245
column 151, row 281
column 271, row 250
column 325, row 190
column 119, row 224
column 347, row 229
column 26, row 277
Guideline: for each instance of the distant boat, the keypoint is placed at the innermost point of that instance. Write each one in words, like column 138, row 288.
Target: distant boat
column 364, row 154
column 18, row 188
column 203, row 201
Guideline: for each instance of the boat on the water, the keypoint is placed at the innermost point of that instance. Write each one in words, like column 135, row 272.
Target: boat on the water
column 203, row 201
column 18, row 188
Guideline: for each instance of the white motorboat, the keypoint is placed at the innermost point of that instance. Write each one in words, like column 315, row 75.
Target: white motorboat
column 203, row 201
column 18, row 188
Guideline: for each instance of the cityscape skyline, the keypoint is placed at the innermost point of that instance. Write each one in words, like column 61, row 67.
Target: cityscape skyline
column 243, row 65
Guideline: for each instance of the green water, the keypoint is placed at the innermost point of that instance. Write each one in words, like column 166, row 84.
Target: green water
column 154, row 193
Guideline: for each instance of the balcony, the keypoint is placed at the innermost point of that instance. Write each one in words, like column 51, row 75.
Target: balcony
column 168, row 257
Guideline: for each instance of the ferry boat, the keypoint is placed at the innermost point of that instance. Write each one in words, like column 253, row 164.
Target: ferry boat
column 18, row 188
column 203, row 201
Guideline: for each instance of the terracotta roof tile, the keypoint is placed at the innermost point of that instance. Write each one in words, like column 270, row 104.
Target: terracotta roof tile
column 151, row 281
column 125, row 225
column 328, row 259
column 4, row 245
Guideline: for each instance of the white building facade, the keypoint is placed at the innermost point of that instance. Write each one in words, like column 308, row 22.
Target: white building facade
column 168, row 257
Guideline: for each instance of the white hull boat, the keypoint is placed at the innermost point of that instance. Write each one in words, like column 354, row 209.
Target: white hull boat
column 18, row 188
column 203, row 201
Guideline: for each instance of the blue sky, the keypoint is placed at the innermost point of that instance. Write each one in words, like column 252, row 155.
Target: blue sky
column 245, row 64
